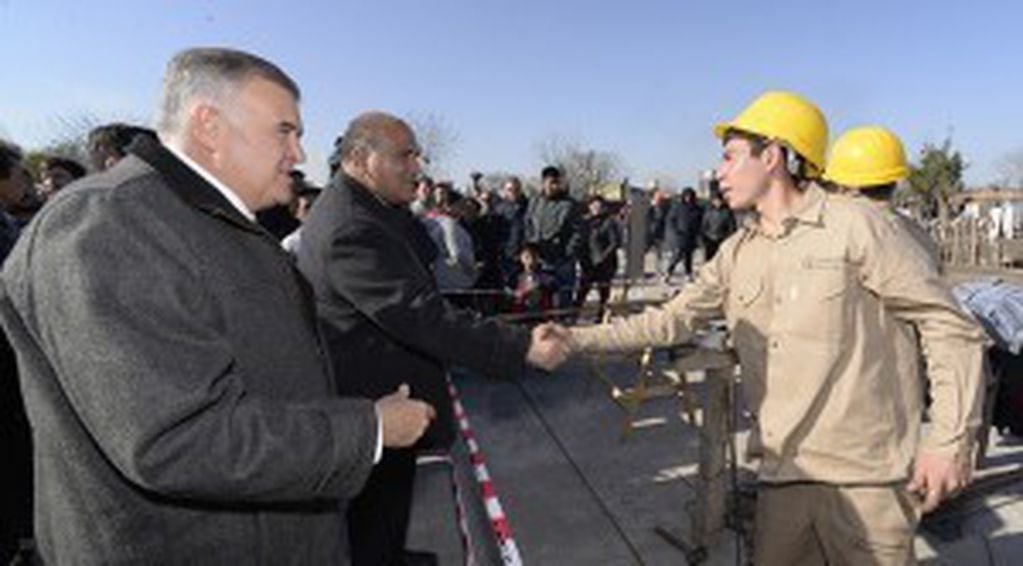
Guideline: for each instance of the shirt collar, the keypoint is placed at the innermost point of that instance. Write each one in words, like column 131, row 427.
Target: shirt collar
column 810, row 212
column 229, row 194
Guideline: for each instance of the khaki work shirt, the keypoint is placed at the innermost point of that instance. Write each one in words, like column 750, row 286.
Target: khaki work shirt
column 822, row 318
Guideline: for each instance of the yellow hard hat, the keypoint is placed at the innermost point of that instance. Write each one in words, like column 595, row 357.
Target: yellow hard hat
column 785, row 117
column 865, row 157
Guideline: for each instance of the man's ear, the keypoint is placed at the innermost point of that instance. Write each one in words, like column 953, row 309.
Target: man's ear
column 773, row 158
column 206, row 125
column 355, row 164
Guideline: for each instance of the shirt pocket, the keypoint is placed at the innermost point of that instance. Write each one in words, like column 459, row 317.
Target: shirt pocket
column 745, row 296
column 824, row 309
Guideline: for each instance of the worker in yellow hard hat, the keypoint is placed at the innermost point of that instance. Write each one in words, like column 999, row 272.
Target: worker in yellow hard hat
column 869, row 161
column 813, row 287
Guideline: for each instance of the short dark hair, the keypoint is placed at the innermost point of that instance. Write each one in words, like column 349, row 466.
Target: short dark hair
column 795, row 164
column 309, row 191
column 530, row 247
column 10, row 156
column 882, row 192
column 112, row 140
column 550, row 171
column 757, row 143
column 334, row 161
column 74, row 168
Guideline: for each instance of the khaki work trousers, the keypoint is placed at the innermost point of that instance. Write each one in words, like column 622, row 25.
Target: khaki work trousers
column 809, row 524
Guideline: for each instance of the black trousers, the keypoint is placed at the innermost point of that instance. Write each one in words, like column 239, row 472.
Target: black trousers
column 710, row 248
column 16, row 443
column 685, row 255
column 378, row 517
column 599, row 276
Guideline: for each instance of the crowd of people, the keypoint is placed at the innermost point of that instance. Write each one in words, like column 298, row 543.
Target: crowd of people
column 219, row 362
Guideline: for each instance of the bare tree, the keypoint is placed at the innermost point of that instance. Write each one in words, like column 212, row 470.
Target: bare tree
column 437, row 137
column 584, row 168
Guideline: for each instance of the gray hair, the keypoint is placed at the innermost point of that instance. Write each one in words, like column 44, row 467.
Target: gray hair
column 213, row 74
column 366, row 132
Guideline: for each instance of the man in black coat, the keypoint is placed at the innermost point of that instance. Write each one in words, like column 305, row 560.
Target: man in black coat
column 182, row 409
column 511, row 209
column 682, row 233
column 718, row 224
column 384, row 319
column 16, row 498
column 599, row 261
column 553, row 223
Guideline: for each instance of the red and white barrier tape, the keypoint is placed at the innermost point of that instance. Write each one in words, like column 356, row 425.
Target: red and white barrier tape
column 498, row 522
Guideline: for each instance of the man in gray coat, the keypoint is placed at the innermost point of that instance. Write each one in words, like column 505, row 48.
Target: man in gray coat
column 181, row 406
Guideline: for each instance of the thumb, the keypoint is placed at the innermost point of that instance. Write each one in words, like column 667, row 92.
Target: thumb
column 918, row 483
column 403, row 391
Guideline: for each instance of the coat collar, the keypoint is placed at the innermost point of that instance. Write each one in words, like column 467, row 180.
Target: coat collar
column 398, row 218
column 189, row 185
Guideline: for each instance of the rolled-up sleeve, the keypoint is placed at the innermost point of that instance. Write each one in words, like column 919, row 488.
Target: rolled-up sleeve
column 669, row 324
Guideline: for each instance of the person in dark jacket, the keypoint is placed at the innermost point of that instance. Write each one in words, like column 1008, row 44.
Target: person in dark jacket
column 718, row 224
column 656, row 220
column 552, row 223
column 182, row 410
column 682, row 232
column 488, row 232
column 511, row 209
column 599, row 262
column 368, row 260
column 58, row 172
column 109, row 143
column 15, row 438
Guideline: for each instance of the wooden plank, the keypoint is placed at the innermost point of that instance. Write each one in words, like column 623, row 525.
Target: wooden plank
column 708, row 519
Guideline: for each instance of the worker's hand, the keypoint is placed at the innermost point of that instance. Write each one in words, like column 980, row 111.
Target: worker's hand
column 550, row 346
column 937, row 478
column 403, row 420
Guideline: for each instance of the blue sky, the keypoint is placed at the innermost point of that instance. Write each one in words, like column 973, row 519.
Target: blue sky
column 643, row 79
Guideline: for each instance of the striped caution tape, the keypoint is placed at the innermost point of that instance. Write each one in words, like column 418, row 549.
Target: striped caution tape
column 498, row 521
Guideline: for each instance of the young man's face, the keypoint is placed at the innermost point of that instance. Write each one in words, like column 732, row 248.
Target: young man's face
column 512, row 190
column 551, row 185
column 15, row 188
column 742, row 176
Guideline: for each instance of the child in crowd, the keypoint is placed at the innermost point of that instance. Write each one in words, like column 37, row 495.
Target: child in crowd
column 534, row 290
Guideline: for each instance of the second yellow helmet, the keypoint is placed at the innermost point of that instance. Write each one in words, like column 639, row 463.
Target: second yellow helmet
column 865, row 157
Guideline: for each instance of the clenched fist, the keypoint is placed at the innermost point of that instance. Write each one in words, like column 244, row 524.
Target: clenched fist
column 403, row 420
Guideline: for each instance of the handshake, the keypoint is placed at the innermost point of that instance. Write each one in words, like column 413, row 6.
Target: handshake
column 550, row 346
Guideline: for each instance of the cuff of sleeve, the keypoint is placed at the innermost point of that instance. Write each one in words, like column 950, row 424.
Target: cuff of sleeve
column 961, row 451
column 378, row 451
column 583, row 339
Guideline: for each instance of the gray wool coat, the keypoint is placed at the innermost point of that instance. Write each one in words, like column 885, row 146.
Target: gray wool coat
column 181, row 406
